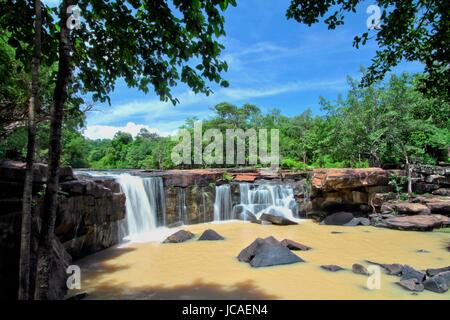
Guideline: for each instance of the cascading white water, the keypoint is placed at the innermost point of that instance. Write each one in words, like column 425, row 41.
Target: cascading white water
column 145, row 203
column 154, row 187
column 276, row 199
column 223, row 206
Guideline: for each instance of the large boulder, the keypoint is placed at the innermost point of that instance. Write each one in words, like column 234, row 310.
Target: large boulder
column 267, row 252
column 210, row 235
column 417, row 223
column 179, row 236
column 277, row 220
column 439, row 206
column 338, row 218
column 270, row 255
column 249, row 252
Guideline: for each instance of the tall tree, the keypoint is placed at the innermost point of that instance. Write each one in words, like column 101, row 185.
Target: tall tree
column 150, row 43
column 411, row 30
column 33, row 105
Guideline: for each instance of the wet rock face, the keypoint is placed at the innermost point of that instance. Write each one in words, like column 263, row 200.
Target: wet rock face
column 87, row 221
column 179, row 236
column 88, row 217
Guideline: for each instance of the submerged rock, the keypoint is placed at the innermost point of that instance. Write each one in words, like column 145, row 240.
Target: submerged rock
column 292, row 245
column 411, row 285
column 332, row 267
column 267, row 252
column 393, row 269
column 277, row 220
column 210, row 235
column 338, row 219
column 179, row 236
column 411, row 273
column 439, row 283
column 360, row 269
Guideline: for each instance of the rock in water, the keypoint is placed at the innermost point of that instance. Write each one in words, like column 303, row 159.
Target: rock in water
column 338, row 219
column 210, row 235
column 292, row 245
column 267, row 252
column 277, row 220
column 432, row 272
column 179, row 236
column 332, row 267
column 393, row 269
column 418, row 223
column 360, row 269
column 358, row 222
column 439, row 283
column 410, row 273
column 411, row 285
column 272, row 255
column 249, row 252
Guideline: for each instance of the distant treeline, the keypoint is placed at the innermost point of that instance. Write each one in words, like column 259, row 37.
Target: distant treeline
column 390, row 123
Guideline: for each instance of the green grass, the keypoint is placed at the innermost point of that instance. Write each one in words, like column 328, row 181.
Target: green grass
column 443, row 230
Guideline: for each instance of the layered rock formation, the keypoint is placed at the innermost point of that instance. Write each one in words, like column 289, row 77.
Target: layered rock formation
column 88, row 217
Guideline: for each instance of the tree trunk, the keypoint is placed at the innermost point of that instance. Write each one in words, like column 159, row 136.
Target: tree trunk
column 33, row 105
column 44, row 258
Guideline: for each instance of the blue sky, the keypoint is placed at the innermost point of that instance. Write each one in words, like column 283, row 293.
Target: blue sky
column 273, row 63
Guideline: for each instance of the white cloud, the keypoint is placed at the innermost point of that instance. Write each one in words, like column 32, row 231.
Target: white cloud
column 107, row 132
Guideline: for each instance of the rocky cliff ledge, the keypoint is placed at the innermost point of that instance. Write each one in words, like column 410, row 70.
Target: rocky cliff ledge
column 87, row 221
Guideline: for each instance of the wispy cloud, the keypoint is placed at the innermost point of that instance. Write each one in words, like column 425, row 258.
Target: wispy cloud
column 107, row 132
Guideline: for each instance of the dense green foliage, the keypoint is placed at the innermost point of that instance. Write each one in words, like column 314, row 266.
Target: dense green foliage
column 384, row 124
column 410, row 30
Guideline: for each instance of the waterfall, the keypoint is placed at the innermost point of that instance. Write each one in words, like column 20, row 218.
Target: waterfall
column 181, row 205
column 154, row 188
column 222, row 204
column 145, row 203
column 276, row 199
